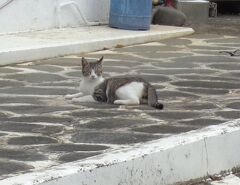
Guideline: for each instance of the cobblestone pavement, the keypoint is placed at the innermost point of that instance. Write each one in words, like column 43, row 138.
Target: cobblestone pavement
column 39, row 128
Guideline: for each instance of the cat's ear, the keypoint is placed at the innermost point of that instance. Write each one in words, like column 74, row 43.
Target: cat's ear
column 100, row 61
column 84, row 61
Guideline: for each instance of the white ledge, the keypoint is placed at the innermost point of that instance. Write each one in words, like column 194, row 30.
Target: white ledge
column 21, row 47
column 165, row 161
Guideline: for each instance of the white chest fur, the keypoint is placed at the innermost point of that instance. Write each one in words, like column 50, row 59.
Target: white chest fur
column 87, row 86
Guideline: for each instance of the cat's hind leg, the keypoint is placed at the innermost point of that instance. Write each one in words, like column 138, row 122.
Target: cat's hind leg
column 129, row 94
column 71, row 96
column 134, row 101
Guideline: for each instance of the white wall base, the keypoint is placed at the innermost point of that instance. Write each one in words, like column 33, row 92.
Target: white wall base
column 32, row 15
column 169, row 160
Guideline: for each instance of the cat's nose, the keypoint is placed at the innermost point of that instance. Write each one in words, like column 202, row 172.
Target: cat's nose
column 92, row 77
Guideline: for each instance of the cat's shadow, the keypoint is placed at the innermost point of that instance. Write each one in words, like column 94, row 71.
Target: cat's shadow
column 105, row 106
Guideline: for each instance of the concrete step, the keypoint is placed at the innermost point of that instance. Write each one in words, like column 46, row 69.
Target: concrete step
column 178, row 158
column 30, row 46
column 45, row 138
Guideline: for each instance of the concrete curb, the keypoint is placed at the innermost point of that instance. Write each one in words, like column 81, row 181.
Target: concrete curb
column 165, row 161
column 22, row 47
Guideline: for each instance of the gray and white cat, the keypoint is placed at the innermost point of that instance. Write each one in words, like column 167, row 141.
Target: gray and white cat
column 127, row 90
column 122, row 90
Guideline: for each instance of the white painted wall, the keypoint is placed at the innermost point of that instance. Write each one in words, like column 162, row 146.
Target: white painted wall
column 28, row 15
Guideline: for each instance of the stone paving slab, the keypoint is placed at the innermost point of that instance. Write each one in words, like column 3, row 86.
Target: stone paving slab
column 39, row 128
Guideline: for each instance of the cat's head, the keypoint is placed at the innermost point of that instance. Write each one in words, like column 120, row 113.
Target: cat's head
column 92, row 70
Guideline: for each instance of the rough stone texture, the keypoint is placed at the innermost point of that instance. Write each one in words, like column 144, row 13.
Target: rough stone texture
column 116, row 59
column 177, row 41
column 36, row 77
column 31, row 109
column 76, row 156
column 76, row 147
column 154, row 78
column 235, row 105
column 229, row 114
column 21, row 155
column 178, row 71
column 30, row 128
column 37, row 119
column 197, row 85
column 203, row 122
column 208, row 78
column 174, row 94
column 2, row 134
column 31, row 140
column 116, row 123
column 206, row 84
column 233, row 74
column 112, row 138
column 205, row 91
column 205, row 59
column 161, row 55
column 37, row 91
column 226, row 66
column 44, row 68
column 13, row 167
column 72, row 62
column 6, row 70
column 19, row 127
column 3, row 116
column 174, row 115
column 202, row 183
column 175, row 64
column 74, row 74
column 98, row 106
column 60, row 84
column 164, row 129
column 142, row 48
column 200, row 106
column 227, row 40
column 19, row 99
column 8, row 83
column 99, row 114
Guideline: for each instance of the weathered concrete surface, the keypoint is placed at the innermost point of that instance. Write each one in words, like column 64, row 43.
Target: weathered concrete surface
column 169, row 160
column 198, row 86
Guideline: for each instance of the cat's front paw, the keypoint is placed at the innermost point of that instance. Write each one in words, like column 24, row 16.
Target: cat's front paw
column 84, row 99
column 77, row 100
column 118, row 102
column 71, row 96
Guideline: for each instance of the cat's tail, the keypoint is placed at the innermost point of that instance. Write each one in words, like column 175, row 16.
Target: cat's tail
column 153, row 99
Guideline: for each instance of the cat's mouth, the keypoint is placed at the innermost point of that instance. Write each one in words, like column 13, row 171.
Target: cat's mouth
column 93, row 77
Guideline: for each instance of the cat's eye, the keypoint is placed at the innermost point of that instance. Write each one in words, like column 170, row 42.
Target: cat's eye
column 98, row 70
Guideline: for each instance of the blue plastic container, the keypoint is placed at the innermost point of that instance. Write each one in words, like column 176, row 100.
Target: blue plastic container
column 130, row 14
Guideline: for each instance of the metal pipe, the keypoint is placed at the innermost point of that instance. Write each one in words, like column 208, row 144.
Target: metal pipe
column 5, row 4
column 77, row 9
